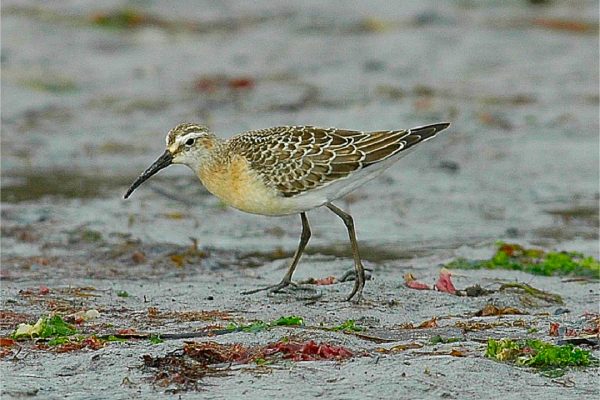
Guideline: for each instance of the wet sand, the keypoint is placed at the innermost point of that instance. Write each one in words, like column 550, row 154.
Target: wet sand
column 89, row 93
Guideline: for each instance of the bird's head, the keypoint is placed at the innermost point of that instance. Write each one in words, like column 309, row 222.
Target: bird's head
column 187, row 144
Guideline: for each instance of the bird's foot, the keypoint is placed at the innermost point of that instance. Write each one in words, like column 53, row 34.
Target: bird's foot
column 289, row 288
column 272, row 288
column 356, row 296
column 350, row 275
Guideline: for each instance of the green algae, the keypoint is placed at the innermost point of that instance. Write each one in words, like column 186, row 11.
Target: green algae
column 155, row 339
column 113, row 338
column 534, row 261
column 348, row 326
column 45, row 327
column 292, row 320
column 126, row 18
column 257, row 326
column 57, row 341
column 548, row 358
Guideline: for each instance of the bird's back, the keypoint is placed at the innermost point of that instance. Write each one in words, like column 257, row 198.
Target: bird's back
column 296, row 160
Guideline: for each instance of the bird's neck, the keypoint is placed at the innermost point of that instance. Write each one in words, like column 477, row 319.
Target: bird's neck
column 215, row 157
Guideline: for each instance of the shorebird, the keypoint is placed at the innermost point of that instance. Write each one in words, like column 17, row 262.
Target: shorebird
column 289, row 170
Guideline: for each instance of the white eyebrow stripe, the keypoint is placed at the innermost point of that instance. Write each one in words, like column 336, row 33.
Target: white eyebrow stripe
column 191, row 135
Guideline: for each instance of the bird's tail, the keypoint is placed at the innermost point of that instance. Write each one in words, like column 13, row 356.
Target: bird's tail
column 423, row 133
column 397, row 143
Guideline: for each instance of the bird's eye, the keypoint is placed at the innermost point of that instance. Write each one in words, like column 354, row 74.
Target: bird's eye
column 190, row 142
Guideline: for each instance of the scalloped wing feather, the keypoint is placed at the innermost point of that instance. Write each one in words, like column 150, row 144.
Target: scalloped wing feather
column 296, row 159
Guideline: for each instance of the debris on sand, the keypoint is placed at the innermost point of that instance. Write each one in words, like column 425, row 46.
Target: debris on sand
column 186, row 316
column 329, row 280
column 399, row 348
column 550, row 359
column 534, row 261
column 444, row 283
column 176, row 371
column 348, row 326
column 586, row 332
column 64, row 345
column 183, row 369
column 80, row 317
column 411, row 282
column 307, row 351
column 530, row 293
column 7, row 342
column 258, row 326
column 492, row 310
column 215, row 353
column 474, row 291
column 8, row 318
column 45, row 327
column 430, row 323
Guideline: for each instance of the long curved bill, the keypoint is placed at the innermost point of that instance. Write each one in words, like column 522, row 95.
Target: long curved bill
column 163, row 161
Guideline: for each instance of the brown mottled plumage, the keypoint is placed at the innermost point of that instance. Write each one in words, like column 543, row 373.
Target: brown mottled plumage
column 288, row 170
column 295, row 159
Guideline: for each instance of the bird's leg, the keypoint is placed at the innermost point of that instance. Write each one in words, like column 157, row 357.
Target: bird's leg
column 359, row 282
column 287, row 279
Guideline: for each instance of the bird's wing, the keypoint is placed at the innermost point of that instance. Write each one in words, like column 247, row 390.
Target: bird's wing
column 295, row 159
